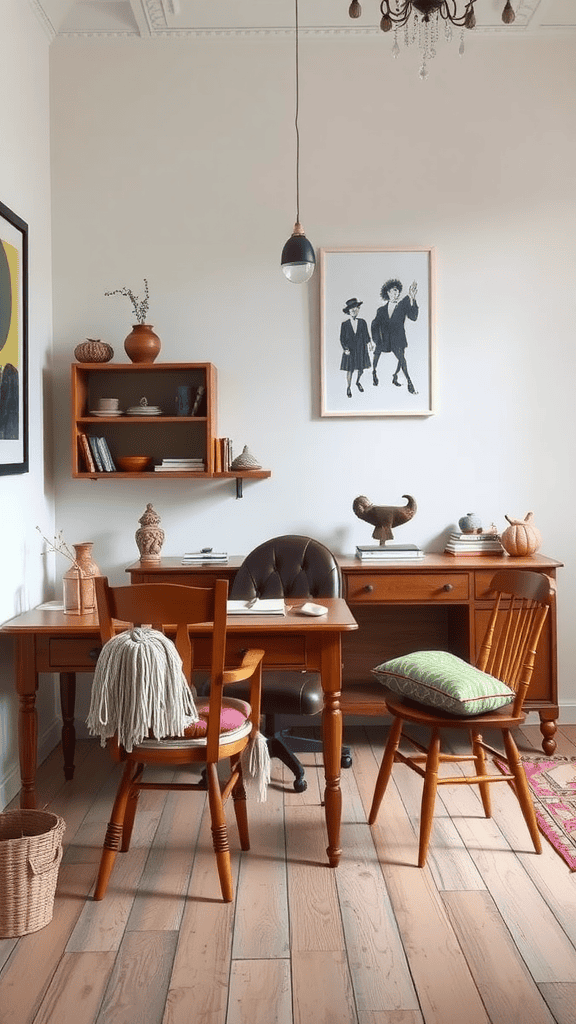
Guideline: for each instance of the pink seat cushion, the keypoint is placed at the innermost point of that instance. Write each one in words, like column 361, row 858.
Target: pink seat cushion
column 230, row 718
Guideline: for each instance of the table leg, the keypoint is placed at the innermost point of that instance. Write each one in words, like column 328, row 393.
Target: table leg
column 67, row 704
column 332, row 743
column 548, row 729
column 26, row 686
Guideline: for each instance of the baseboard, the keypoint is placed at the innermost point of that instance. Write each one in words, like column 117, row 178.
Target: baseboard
column 10, row 781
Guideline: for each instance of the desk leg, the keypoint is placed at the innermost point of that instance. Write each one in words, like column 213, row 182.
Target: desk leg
column 67, row 704
column 548, row 727
column 26, row 686
column 332, row 743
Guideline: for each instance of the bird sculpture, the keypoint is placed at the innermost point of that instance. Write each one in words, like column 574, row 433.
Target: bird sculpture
column 384, row 517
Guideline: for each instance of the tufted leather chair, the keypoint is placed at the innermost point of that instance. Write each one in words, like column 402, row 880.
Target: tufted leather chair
column 290, row 566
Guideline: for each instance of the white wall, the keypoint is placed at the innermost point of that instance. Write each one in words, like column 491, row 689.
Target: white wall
column 27, row 500
column 175, row 161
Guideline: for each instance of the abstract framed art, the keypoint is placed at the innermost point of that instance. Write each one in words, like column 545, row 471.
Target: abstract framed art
column 13, row 343
column 377, row 354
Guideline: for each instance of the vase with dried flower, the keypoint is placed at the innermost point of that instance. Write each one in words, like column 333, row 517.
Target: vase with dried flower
column 78, row 581
column 142, row 345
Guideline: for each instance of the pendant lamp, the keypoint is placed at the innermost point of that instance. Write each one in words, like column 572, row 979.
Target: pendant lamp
column 298, row 259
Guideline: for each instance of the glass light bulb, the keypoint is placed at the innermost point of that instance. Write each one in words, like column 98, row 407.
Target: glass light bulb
column 298, row 273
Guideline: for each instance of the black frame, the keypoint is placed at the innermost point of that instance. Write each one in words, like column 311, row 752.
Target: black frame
column 14, row 245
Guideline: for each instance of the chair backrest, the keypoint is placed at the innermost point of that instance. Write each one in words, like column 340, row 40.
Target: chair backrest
column 288, row 566
column 171, row 609
column 508, row 649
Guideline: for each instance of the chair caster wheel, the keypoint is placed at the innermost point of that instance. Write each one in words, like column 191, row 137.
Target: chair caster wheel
column 346, row 761
column 300, row 785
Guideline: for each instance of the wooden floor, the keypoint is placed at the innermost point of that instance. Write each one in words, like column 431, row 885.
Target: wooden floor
column 485, row 933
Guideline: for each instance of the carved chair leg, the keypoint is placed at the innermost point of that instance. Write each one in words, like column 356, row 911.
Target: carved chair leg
column 385, row 768
column 480, row 764
column 219, row 833
column 131, row 808
column 429, row 796
column 522, row 788
column 114, row 833
column 240, row 805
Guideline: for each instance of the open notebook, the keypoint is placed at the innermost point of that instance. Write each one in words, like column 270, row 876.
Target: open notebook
column 258, row 606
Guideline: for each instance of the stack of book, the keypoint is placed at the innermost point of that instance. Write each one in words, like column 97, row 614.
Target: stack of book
column 388, row 552
column 206, row 556
column 96, row 454
column 474, row 544
column 180, row 466
column 223, row 457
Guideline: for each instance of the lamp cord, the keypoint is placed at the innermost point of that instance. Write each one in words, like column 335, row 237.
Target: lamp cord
column 296, row 125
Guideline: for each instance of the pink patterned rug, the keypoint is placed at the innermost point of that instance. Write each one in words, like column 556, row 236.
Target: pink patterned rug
column 552, row 782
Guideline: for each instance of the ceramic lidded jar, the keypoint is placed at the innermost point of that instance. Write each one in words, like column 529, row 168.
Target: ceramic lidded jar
column 470, row 523
column 150, row 536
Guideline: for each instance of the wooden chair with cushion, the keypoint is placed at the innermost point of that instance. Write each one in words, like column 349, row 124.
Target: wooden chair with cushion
column 438, row 691
column 224, row 726
column 290, row 566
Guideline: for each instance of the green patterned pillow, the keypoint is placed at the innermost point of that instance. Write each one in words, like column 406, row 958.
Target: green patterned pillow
column 444, row 681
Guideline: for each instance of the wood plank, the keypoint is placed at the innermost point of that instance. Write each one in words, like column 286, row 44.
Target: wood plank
column 378, row 965
column 260, row 992
column 507, row 989
column 445, row 987
column 139, row 981
column 27, row 974
column 561, row 999
column 159, row 902
column 322, row 988
column 312, row 896
column 390, row 1017
column 261, row 927
column 199, row 983
column 77, row 988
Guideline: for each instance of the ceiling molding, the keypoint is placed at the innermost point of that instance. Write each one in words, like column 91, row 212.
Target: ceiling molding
column 43, row 19
column 154, row 19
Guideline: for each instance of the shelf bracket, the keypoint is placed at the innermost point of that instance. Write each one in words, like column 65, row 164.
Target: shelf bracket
column 238, row 487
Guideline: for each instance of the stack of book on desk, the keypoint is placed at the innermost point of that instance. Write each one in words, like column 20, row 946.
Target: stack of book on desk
column 387, row 552
column 474, row 544
column 204, row 557
column 181, row 466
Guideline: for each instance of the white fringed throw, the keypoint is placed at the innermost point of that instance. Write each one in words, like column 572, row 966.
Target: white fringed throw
column 255, row 760
column 139, row 689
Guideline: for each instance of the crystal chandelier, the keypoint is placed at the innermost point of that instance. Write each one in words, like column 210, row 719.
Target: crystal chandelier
column 420, row 20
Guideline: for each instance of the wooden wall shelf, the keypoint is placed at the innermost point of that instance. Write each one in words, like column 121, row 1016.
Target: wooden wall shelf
column 158, row 437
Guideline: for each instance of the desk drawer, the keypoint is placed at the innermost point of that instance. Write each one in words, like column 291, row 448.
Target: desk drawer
column 68, row 654
column 376, row 588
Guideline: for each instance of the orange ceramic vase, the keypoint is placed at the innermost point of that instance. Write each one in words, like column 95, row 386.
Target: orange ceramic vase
column 142, row 345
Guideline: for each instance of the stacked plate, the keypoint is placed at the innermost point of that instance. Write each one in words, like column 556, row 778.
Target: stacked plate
column 144, row 410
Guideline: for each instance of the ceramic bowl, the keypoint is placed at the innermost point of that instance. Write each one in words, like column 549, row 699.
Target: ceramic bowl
column 133, row 463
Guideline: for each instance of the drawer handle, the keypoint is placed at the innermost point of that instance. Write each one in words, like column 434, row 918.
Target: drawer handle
column 368, row 588
column 94, row 653
column 448, row 587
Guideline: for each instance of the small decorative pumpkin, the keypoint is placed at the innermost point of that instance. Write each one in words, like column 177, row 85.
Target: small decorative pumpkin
column 521, row 537
column 93, row 351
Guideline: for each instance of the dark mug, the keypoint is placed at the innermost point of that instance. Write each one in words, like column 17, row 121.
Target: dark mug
column 184, row 400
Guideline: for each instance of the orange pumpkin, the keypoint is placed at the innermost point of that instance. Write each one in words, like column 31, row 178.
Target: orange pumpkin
column 521, row 537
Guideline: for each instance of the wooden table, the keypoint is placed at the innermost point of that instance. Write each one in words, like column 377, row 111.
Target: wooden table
column 439, row 602
column 50, row 641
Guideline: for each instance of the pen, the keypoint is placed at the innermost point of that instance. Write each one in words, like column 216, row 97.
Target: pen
column 252, row 602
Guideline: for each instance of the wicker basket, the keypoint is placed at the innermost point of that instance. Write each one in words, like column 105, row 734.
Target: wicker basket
column 30, row 855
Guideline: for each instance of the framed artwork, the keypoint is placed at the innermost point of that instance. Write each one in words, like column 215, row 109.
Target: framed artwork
column 376, row 332
column 13, row 343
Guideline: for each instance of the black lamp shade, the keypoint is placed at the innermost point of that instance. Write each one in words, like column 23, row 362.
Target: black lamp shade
column 298, row 259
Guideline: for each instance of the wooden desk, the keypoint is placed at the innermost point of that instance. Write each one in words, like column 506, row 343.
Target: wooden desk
column 49, row 641
column 441, row 602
